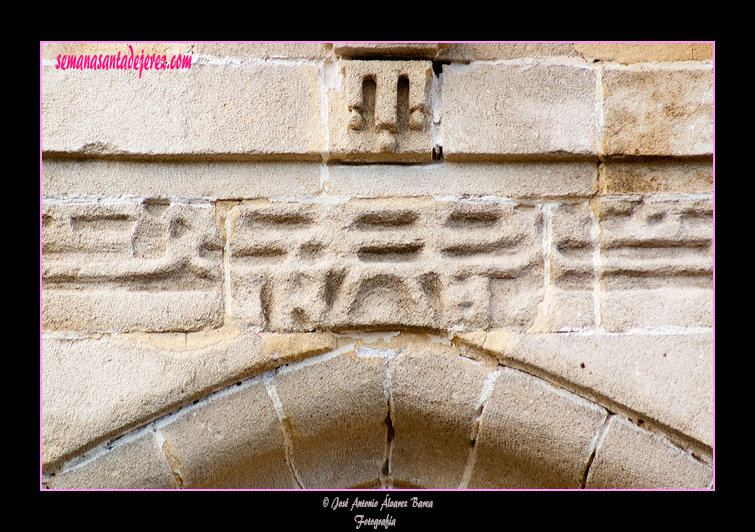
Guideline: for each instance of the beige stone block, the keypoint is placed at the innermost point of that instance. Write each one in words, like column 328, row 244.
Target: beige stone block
column 657, row 175
column 381, row 111
column 384, row 263
column 394, row 49
column 658, row 110
column 533, row 435
column 667, row 378
column 160, row 179
column 493, row 51
column 493, row 111
column 643, row 52
column 434, row 409
column 656, row 262
column 95, row 389
column 233, row 441
column 335, row 417
column 504, row 179
column 153, row 265
column 246, row 110
column 632, row 458
column 135, row 464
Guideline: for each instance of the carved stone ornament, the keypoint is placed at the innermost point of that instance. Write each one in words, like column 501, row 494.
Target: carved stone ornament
column 382, row 113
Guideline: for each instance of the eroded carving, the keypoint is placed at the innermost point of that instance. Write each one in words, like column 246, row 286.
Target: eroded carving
column 383, row 112
column 154, row 265
column 407, row 263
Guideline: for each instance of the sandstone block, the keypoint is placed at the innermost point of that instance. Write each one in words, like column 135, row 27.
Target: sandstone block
column 335, row 417
column 632, row 458
column 434, row 410
column 426, row 50
column 94, row 389
column 503, row 111
column 136, row 464
column 246, row 110
column 656, row 262
column 218, row 179
column 533, row 435
column 233, row 441
column 657, row 175
column 493, row 51
column 658, row 111
column 381, row 111
column 644, row 52
column 381, row 263
column 150, row 266
column 662, row 377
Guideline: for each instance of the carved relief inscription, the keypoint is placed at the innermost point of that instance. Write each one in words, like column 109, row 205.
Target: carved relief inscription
column 382, row 112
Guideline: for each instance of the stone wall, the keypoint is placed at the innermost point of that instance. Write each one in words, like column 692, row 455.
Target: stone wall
column 377, row 265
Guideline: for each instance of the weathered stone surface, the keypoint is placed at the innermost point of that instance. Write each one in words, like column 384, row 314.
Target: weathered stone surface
column 509, row 179
column 644, row 52
column 493, row 111
column 335, row 414
column 657, row 175
column 492, row 51
column 663, row 377
column 375, row 263
column 381, row 111
column 239, row 110
column 656, row 262
column 163, row 179
column 631, row 458
column 135, row 464
column 434, row 407
column 152, row 265
column 533, row 435
column 232, row 441
column 93, row 389
column 658, row 110
column 394, row 49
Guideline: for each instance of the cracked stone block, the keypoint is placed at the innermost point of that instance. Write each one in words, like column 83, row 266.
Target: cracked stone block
column 381, row 111
column 533, row 435
column 335, row 419
column 233, row 441
column 630, row 457
column 384, row 263
column 493, row 111
column 434, row 409
column 135, row 464
column 148, row 266
column 653, row 110
column 656, row 259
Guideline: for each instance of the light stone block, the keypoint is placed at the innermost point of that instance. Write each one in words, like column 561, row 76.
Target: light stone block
column 663, row 377
column 246, row 110
column 505, row 179
column 632, row 458
column 384, row 263
column 494, row 111
column 153, row 265
column 533, row 435
column 182, row 179
column 653, row 111
column 233, row 441
column 494, row 51
column 434, row 409
column 627, row 53
column 95, row 389
column 335, row 419
column 136, row 464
